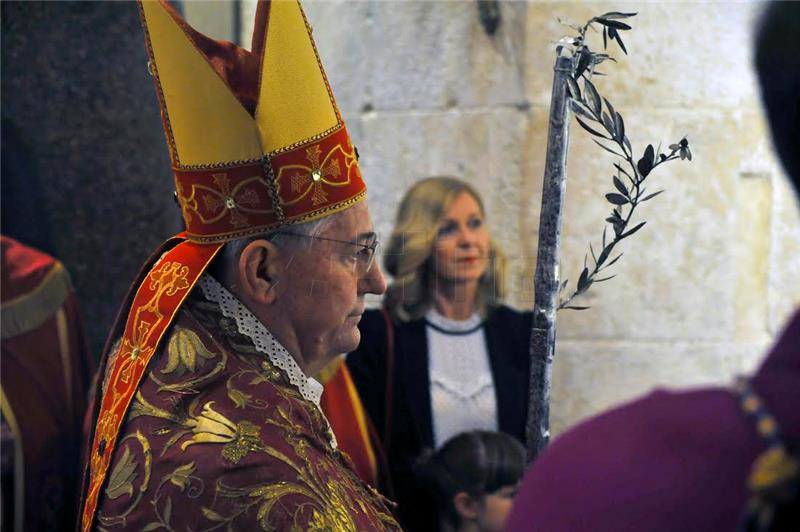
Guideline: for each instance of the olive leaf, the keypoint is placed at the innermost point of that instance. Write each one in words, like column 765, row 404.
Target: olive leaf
column 612, row 23
column 619, row 126
column 578, row 109
column 644, row 165
column 621, row 187
column 609, row 150
column 650, row 196
column 608, row 124
column 615, row 259
column 616, row 15
column 589, row 129
column 613, row 34
column 583, row 281
column 574, row 90
column 593, row 97
column 629, row 233
column 617, row 199
column 584, row 59
column 595, row 113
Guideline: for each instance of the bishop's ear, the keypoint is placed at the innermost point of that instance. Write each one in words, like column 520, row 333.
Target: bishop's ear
column 258, row 270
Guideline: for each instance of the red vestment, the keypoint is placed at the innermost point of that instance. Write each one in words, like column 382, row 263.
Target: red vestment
column 45, row 375
column 218, row 437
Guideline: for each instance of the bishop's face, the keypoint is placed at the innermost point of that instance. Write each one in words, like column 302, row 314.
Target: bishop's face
column 325, row 283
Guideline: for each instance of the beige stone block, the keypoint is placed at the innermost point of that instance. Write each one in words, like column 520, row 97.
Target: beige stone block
column 435, row 55
column 519, row 283
column 481, row 146
column 678, row 278
column 784, row 260
column 702, row 288
column 592, row 376
column 419, row 55
column 342, row 32
column 681, row 54
column 751, row 252
column 214, row 18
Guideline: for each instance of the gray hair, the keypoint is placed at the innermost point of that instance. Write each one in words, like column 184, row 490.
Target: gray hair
column 230, row 253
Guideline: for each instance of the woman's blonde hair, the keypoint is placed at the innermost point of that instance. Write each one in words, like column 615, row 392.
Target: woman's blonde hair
column 408, row 254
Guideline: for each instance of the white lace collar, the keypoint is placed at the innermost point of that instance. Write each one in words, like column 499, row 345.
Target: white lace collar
column 264, row 341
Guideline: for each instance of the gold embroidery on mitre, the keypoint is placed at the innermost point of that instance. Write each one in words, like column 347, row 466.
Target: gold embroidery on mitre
column 223, row 200
column 187, row 203
column 310, row 179
column 323, row 211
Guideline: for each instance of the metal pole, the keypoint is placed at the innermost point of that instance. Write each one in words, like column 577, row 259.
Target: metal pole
column 543, row 334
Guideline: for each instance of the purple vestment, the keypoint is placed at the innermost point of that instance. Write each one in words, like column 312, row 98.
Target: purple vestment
column 670, row 461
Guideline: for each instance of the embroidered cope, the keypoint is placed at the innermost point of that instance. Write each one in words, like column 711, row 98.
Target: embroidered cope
column 264, row 342
column 220, row 436
column 462, row 390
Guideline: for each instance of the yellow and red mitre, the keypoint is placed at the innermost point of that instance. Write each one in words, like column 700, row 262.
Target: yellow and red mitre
column 255, row 137
column 256, row 142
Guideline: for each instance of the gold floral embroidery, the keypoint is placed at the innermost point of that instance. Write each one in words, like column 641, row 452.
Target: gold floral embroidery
column 141, row 407
column 318, row 493
column 270, row 373
column 239, row 397
column 187, row 203
column 225, row 198
column 182, row 475
column 248, row 439
column 222, row 199
column 123, row 477
column 305, row 179
column 316, row 175
column 185, row 352
column 212, row 427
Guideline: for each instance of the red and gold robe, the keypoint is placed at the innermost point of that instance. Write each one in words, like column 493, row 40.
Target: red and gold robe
column 350, row 422
column 46, row 371
column 217, row 437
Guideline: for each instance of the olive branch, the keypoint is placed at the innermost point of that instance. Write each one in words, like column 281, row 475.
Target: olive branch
column 595, row 114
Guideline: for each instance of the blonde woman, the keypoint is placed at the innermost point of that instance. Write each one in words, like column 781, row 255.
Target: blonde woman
column 442, row 356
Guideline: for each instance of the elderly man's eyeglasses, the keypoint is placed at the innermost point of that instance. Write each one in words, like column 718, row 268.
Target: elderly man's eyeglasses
column 363, row 257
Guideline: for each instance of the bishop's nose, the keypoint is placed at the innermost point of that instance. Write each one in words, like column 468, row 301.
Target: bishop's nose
column 373, row 282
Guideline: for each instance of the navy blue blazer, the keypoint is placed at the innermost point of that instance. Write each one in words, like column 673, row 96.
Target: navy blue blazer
column 507, row 333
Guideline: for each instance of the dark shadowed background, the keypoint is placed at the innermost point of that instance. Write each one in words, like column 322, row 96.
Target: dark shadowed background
column 85, row 171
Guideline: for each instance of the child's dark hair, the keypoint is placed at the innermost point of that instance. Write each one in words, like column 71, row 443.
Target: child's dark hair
column 478, row 463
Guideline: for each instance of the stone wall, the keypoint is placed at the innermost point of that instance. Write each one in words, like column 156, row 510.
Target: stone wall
column 703, row 289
